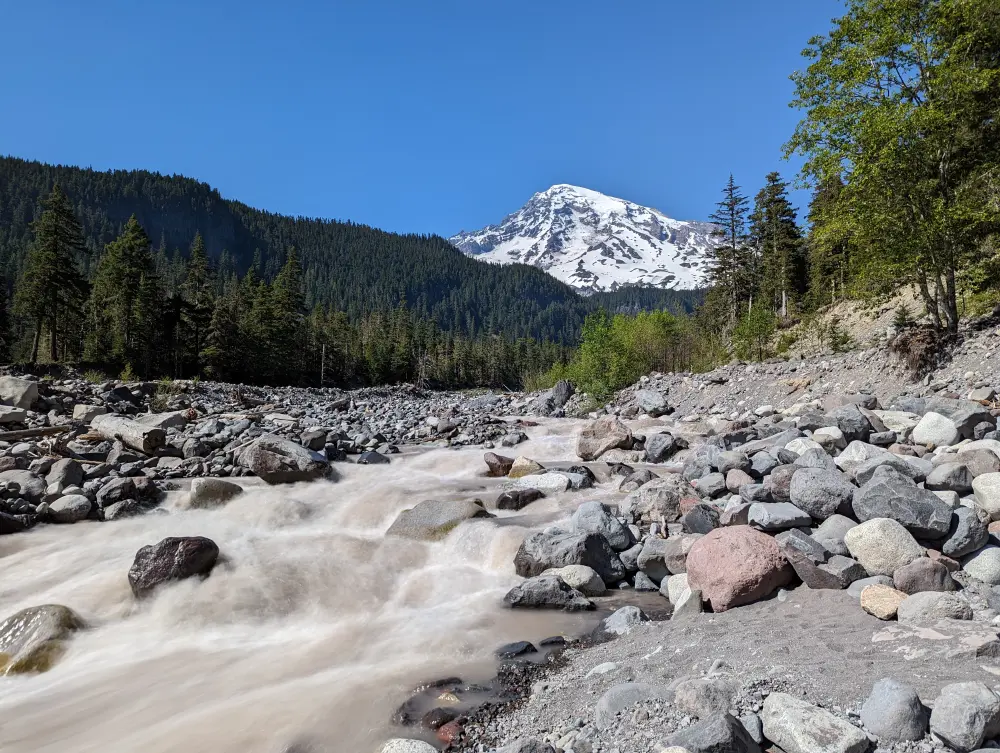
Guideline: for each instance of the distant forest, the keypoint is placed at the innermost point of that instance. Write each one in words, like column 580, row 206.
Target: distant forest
column 178, row 242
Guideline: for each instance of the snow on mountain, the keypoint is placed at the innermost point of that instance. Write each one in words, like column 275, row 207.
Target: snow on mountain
column 596, row 242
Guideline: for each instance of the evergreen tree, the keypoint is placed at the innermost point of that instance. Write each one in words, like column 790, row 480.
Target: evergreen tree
column 777, row 241
column 198, row 291
column 731, row 269
column 124, row 302
column 51, row 289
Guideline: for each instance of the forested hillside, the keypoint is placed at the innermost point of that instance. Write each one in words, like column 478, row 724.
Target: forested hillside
column 161, row 275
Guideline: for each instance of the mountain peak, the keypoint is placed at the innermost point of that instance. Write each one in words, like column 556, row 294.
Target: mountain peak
column 596, row 242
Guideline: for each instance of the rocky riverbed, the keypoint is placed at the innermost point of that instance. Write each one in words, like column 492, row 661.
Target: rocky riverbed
column 795, row 556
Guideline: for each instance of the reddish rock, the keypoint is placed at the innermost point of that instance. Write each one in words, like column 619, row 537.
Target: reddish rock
column 687, row 503
column 953, row 565
column 736, row 565
column 449, row 733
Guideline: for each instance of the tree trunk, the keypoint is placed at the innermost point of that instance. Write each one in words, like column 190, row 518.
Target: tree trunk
column 132, row 434
column 36, row 340
column 950, row 300
column 930, row 301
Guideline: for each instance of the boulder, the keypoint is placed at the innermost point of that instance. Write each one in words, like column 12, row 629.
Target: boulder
column 797, row 726
column 777, row 516
column 517, row 499
column 70, row 508
column 651, row 402
column 498, row 465
column 779, row 482
column 65, row 472
column 923, row 574
column 930, row 606
column 623, row 620
column 522, row 466
column 606, row 433
column 985, row 488
column 831, row 533
column 851, row 422
column 87, row 413
column 658, row 500
column 964, row 414
column 543, row 550
column 736, row 565
column 32, row 487
column 116, row 490
column 881, row 601
column 173, row 420
column 127, row 508
column 892, row 495
column 584, row 579
column 173, row 558
column 548, row 483
column 701, row 518
column 278, row 461
column 594, row 517
column 21, row 393
column 711, row 485
column 967, row 533
column 703, row 696
column 949, row 477
column 403, row 745
column 547, row 592
column 624, row 696
column 675, row 588
column 719, row 732
column 211, row 492
column 882, row 546
column 935, row 430
column 33, row 639
column 893, row 712
column 660, row 447
column 433, row 519
column 820, row 493
column 965, row 715
column 984, row 565
column 979, row 461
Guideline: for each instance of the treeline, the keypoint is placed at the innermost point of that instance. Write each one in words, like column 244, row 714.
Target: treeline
column 346, row 267
column 901, row 136
column 149, row 314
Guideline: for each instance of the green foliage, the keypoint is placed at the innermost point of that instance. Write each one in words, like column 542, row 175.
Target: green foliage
column 752, row 335
column 616, row 350
column 128, row 374
column 900, row 105
column 837, row 336
column 95, row 376
column 778, row 248
column 902, row 318
column 733, row 268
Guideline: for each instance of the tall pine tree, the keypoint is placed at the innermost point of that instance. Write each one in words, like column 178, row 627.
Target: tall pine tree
column 777, row 242
column 51, row 290
column 731, row 270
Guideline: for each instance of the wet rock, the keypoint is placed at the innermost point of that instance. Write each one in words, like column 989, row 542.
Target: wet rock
column 116, row 490
column 893, row 712
column 433, row 519
column 594, row 517
column 799, row 727
column 279, row 461
column 736, row 565
column 523, row 466
column 543, row 550
column 606, row 433
column 127, row 508
column 584, row 579
column 547, row 592
column 211, row 492
column 33, row 639
column 173, row 558
column 635, row 480
column 517, row 499
column 70, row 508
column 32, row 487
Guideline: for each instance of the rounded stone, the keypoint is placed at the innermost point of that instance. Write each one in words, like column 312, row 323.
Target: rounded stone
column 930, row 606
column 984, row 565
column 923, row 574
column 935, row 429
column 584, row 579
column 881, row 601
column 882, row 546
column 70, row 508
column 893, row 712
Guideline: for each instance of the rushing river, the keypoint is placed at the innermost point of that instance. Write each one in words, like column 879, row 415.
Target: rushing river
column 313, row 626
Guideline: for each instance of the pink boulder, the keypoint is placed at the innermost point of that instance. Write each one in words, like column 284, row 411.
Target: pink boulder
column 736, row 565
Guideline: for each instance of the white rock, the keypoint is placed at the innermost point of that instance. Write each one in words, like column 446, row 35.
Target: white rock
column 399, row 745
column 10, row 415
column 898, row 421
column 986, row 489
column 800, row 445
column 584, row 579
column 765, row 410
column 882, row 546
column 70, row 508
column 799, row 727
column 830, row 436
column 547, row 483
column 677, row 588
column 87, row 413
column 984, row 565
column 935, row 429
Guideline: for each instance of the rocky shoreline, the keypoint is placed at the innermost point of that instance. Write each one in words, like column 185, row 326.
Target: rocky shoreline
column 829, row 559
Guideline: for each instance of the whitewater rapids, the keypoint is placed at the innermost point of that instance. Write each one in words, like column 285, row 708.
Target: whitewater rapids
column 313, row 626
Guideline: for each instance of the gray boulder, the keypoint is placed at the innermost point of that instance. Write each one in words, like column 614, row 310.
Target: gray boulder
column 831, row 532
column 777, row 516
column 820, row 492
column 594, row 517
column 851, row 421
column 967, row 533
column 704, row 696
column 950, row 477
column 280, row 461
column 433, row 519
column 964, row 414
column 965, row 715
column 211, row 492
column 116, row 490
column 547, row 592
column 893, row 712
column 70, row 508
column 930, row 606
column 923, row 574
column 892, row 495
column 32, row 486
column 660, row 499
column 543, row 550
column 622, row 697
column 623, row 620
column 606, row 433
column 65, row 472
column 719, row 732
column 799, row 727
column 21, row 393
column 659, row 447
column 935, row 430
column 651, row 402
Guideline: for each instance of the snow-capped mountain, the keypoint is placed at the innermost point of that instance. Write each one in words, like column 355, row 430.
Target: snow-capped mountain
column 596, row 242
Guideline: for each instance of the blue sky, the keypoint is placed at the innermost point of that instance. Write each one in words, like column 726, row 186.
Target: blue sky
column 428, row 116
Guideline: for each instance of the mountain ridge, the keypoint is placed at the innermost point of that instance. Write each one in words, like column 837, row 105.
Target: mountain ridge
column 595, row 242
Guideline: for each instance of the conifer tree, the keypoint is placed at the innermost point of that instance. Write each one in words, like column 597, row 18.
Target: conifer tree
column 777, row 241
column 51, row 289
column 731, row 270
column 198, row 291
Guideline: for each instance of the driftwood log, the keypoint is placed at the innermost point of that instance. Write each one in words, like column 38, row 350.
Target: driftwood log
column 132, row 434
column 42, row 431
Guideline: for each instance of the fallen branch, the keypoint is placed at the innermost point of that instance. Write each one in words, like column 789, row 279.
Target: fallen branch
column 43, row 431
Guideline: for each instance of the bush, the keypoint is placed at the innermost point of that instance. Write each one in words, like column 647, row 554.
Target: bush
column 95, row 376
column 902, row 318
column 752, row 336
